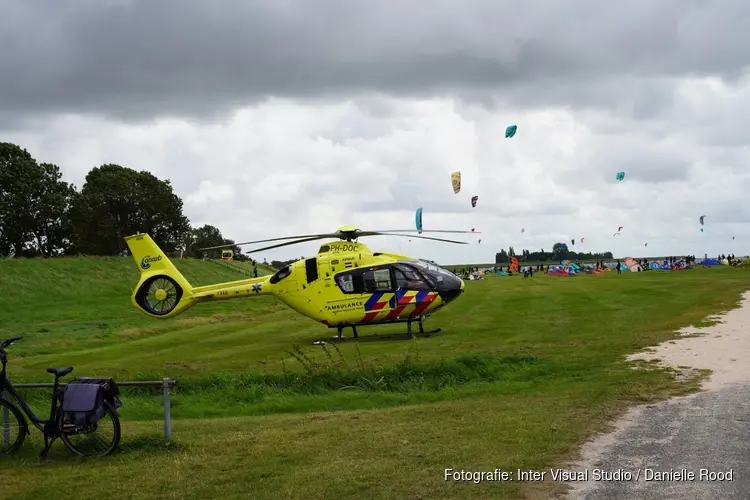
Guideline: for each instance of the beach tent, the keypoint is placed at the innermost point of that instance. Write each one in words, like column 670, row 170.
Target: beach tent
column 560, row 271
column 632, row 265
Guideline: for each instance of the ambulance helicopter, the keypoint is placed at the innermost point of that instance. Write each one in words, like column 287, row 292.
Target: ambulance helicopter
column 344, row 285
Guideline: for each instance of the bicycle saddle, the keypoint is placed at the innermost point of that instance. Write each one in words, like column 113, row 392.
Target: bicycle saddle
column 60, row 372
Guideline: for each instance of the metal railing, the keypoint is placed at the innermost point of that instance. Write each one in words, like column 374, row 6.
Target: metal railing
column 166, row 385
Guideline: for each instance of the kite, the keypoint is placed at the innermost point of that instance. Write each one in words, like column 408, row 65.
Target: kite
column 620, row 176
column 474, row 200
column 472, row 229
column 702, row 217
column 616, row 234
column 573, row 242
column 582, row 239
column 523, row 230
column 732, row 237
column 419, row 220
column 510, row 131
column 619, row 229
column 456, row 181
column 479, row 241
column 701, row 230
column 645, row 245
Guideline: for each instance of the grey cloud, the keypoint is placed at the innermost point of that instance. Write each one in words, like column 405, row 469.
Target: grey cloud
column 729, row 208
column 138, row 59
column 659, row 168
column 643, row 159
column 411, row 192
column 635, row 97
column 652, row 101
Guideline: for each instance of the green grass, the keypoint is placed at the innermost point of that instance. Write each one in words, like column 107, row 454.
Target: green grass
column 523, row 371
column 246, row 267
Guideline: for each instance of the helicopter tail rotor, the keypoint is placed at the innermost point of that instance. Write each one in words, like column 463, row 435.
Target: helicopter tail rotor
column 162, row 290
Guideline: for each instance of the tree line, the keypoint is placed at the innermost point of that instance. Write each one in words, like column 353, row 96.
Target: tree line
column 42, row 215
column 559, row 252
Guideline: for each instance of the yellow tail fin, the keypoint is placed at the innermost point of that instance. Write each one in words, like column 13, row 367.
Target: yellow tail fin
column 162, row 290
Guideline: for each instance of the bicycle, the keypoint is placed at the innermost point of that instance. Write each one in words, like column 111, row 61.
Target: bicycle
column 57, row 425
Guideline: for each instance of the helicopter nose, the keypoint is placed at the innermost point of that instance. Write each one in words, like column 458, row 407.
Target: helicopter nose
column 452, row 290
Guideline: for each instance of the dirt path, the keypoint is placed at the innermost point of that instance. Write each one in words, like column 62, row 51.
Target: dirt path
column 702, row 434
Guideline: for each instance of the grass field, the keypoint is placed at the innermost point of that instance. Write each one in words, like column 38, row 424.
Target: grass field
column 523, row 371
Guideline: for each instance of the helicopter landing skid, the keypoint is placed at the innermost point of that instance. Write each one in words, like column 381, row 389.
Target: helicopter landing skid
column 421, row 329
column 409, row 335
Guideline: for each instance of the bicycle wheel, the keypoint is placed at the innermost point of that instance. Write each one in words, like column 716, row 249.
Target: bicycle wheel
column 91, row 440
column 13, row 427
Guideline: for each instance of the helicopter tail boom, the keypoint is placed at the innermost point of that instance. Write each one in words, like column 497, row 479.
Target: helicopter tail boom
column 234, row 289
column 162, row 291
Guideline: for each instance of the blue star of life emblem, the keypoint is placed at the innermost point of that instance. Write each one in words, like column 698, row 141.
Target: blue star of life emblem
column 256, row 288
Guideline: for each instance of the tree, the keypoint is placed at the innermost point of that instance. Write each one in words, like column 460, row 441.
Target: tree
column 501, row 257
column 210, row 236
column 17, row 179
column 52, row 229
column 116, row 202
column 34, row 205
column 279, row 264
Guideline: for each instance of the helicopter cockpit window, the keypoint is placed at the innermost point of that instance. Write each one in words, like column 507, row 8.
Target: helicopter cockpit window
column 409, row 279
column 351, row 282
column 345, row 282
column 378, row 280
column 280, row 274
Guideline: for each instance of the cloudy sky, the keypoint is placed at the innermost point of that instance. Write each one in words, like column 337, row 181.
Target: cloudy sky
column 280, row 117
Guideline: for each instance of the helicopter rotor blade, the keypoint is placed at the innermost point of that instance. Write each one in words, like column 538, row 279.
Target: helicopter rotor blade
column 380, row 233
column 302, row 236
column 228, row 245
column 287, row 244
column 341, row 235
column 389, row 231
column 428, row 238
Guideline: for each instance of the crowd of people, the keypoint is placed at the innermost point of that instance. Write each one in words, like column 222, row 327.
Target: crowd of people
column 731, row 259
column 668, row 263
column 619, row 266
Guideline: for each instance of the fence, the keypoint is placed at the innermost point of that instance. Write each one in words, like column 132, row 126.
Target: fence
column 166, row 384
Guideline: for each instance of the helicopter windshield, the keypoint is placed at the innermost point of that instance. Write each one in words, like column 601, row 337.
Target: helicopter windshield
column 436, row 275
column 408, row 278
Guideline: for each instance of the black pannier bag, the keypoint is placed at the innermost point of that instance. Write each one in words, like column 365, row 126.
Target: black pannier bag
column 109, row 388
column 83, row 404
column 83, row 400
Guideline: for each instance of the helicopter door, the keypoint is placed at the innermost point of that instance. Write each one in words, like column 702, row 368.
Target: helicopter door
column 378, row 284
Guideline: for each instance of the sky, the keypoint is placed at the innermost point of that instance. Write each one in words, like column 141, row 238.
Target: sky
column 283, row 117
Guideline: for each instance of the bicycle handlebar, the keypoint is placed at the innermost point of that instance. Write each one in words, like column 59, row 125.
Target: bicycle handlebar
column 8, row 342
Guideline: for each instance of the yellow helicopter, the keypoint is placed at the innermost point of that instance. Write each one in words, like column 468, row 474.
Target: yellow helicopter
column 344, row 285
column 227, row 254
